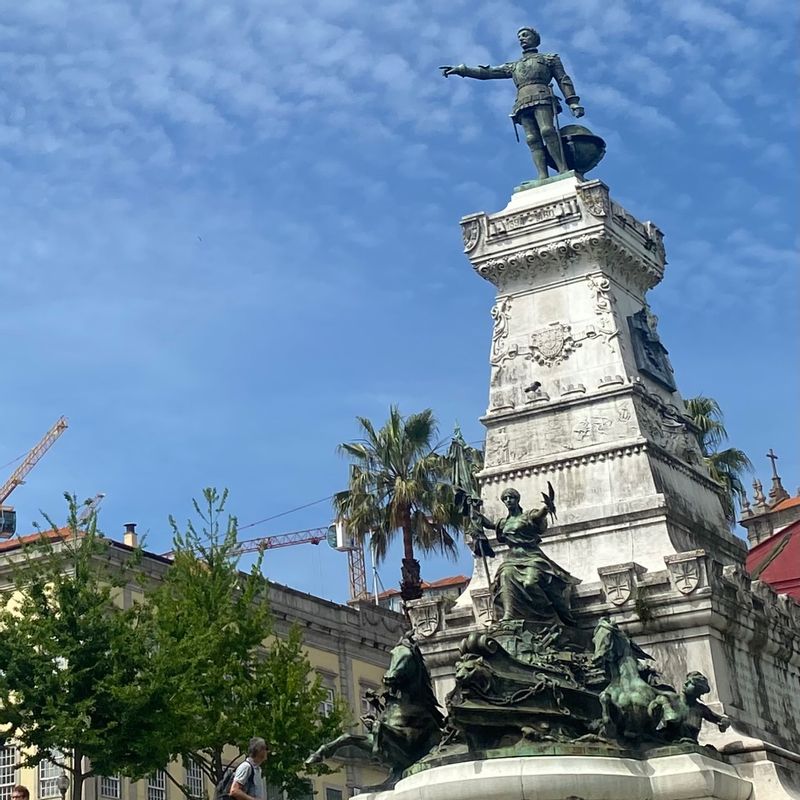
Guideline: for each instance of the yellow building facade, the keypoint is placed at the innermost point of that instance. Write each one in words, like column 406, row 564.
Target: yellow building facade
column 348, row 646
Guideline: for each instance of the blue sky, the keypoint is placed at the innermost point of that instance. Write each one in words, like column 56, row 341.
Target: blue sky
column 231, row 226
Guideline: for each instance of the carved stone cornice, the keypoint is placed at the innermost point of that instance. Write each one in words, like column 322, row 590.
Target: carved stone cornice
column 510, row 472
column 606, row 249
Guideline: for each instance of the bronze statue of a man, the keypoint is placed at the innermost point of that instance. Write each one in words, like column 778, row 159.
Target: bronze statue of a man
column 536, row 106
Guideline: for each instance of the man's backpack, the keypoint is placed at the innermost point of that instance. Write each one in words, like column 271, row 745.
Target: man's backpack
column 223, row 788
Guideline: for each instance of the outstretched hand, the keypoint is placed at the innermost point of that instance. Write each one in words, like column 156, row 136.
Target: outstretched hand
column 448, row 70
column 577, row 111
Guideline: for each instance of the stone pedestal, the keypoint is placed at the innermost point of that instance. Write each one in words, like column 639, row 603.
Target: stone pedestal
column 582, row 395
column 564, row 777
column 606, row 426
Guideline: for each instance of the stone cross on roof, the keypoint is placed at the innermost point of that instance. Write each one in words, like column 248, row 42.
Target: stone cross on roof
column 777, row 492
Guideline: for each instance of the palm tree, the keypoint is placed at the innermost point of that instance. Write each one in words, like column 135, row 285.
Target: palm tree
column 725, row 466
column 398, row 483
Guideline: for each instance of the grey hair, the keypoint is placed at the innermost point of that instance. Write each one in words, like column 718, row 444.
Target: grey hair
column 257, row 744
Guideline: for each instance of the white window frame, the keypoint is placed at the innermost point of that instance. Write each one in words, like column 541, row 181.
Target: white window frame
column 195, row 779
column 157, row 785
column 329, row 789
column 109, row 786
column 364, row 706
column 328, row 703
column 47, row 775
column 8, row 771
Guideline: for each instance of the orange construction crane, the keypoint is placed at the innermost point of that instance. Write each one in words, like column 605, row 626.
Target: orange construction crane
column 334, row 535
column 8, row 517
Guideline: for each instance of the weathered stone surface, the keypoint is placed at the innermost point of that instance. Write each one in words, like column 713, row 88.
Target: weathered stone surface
column 582, row 777
column 581, row 389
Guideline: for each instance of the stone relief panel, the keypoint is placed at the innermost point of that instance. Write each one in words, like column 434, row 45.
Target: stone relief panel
column 505, row 388
column 665, row 426
column 497, row 448
column 544, row 216
column 542, row 435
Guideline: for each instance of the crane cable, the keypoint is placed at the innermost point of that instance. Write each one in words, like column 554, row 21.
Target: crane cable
column 321, row 500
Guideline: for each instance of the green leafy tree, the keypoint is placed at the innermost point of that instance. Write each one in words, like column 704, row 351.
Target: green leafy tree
column 398, row 483
column 70, row 659
column 210, row 625
column 726, row 466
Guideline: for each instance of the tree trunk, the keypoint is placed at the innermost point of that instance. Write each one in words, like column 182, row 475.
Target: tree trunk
column 410, row 582
column 77, row 775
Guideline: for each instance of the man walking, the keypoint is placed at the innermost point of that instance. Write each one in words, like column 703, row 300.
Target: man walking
column 247, row 782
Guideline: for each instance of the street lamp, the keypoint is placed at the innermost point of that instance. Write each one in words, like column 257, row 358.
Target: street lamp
column 62, row 782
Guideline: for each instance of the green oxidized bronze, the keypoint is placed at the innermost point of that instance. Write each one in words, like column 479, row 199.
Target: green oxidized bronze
column 636, row 709
column 533, row 680
column 536, row 108
column 406, row 721
column 535, row 676
column 528, row 585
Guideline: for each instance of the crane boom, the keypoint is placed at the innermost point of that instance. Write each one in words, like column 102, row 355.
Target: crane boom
column 311, row 536
column 355, row 553
column 29, row 462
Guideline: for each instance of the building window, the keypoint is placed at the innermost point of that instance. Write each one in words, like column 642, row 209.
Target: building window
column 48, row 773
column 157, row 786
column 109, row 787
column 329, row 700
column 364, row 704
column 307, row 792
column 8, row 771
column 273, row 792
column 194, row 778
column 334, row 794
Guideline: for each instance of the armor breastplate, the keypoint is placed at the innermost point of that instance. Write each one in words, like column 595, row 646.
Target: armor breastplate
column 532, row 69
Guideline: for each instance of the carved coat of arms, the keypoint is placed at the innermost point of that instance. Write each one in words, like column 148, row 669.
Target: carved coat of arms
column 552, row 345
column 685, row 576
column 618, row 587
column 425, row 619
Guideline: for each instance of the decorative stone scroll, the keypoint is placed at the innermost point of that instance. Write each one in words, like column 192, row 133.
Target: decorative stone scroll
column 620, row 581
column 603, row 301
column 689, row 571
column 635, row 267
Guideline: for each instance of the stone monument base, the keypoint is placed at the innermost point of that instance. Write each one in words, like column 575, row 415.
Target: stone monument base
column 685, row 776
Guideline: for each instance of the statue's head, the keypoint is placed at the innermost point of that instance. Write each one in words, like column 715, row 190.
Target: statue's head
column 510, row 499
column 529, row 38
column 696, row 684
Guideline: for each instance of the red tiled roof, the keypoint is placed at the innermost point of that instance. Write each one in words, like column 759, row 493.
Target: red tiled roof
column 442, row 583
column 30, row 538
column 776, row 561
column 789, row 502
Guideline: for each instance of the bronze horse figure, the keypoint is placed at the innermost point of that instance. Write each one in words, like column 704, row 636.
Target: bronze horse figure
column 407, row 722
column 630, row 704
